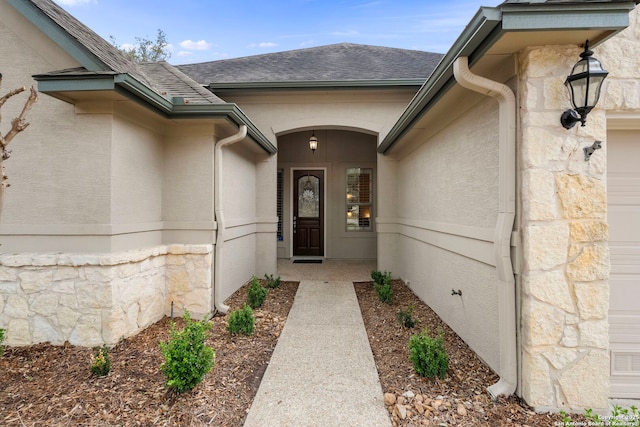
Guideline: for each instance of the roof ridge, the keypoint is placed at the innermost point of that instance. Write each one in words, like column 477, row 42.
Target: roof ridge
column 335, row 62
column 307, row 49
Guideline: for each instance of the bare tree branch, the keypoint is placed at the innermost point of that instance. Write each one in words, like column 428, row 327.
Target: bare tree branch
column 18, row 124
column 10, row 94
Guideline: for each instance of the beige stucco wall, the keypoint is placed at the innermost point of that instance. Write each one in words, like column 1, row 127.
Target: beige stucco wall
column 187, row 184
column 277, row 113
column 281, row 115
column 438, row 210
column 104, row 180
column 136, row 186
column 240, row 213
column 62, row 174
column 337, row 151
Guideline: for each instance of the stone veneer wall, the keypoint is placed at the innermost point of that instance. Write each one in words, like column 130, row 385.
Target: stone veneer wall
column 94, row 299
column 565, row 301
column 565, row 292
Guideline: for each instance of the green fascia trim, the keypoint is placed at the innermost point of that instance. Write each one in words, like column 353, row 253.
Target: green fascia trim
column 46, row 85
column 568, row 17
column 232, row 112
column 142, row 94
column 486, row 27
column 316, row 85
column 58, row 35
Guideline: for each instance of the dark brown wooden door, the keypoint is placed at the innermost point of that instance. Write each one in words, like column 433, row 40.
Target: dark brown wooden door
column 308, row 212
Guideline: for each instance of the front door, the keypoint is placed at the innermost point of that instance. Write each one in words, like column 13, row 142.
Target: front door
column 308, row 213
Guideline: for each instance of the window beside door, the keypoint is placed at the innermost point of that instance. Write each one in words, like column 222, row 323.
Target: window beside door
column 280, row 203
column 359, row 191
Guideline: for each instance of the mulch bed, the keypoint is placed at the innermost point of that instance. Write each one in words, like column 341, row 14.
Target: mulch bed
column 44, row 385
column 459, row 399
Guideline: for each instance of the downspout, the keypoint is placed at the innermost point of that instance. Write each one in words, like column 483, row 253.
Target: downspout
column 220, row 235
column 504, row 225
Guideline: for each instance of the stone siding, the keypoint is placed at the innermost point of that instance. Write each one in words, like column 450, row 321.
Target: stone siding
column 564, row 279
column 94, row 299
column 564, row 327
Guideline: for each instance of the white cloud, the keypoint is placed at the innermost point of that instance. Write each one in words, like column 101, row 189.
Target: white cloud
column 199, row 45
column 263, row 44
column 185, row 53
column 127, row 46
column 72, row 3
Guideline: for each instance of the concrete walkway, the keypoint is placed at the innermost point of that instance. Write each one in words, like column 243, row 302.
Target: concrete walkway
column 322, row 371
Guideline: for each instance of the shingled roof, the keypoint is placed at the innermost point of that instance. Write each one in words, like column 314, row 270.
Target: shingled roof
column 168, row 79
column 89, row 40
column 162, row 78
column 336, row 62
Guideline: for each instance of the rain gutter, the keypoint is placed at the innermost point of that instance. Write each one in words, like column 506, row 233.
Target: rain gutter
column 504, row 225
column 218, row 201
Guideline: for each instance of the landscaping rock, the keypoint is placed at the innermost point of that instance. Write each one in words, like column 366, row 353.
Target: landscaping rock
column 402, row 411
column 462, row 411
column 389, row 399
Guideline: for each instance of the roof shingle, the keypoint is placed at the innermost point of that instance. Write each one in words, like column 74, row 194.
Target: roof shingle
column 337, row 62
column 169, row 80
column 87, row 38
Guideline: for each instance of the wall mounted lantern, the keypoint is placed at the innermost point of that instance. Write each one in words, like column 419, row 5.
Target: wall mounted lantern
column 313, row 142
column 584, row 85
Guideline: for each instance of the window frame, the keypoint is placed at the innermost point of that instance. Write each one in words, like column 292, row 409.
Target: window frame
column 351, row 188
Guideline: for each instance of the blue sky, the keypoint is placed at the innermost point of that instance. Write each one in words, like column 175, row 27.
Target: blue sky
column 209, row 30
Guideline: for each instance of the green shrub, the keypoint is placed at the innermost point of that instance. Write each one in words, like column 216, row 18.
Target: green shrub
column 256, row 294
column 2, row 331
column 382, row 285
column 428, row 354
column 271, row 282
column 186, row 357
column 406, row 318
column 377, row 276
column 100, row 363
column 241, row 321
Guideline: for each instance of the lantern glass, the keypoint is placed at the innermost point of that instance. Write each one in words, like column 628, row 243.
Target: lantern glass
column 313, row 143
column 584, row 84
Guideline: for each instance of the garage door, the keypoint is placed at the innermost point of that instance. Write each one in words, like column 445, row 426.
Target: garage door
column 623, row 185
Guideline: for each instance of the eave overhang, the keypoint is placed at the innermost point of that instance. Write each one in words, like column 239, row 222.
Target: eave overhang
column 67, row 87
column 505, row 30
